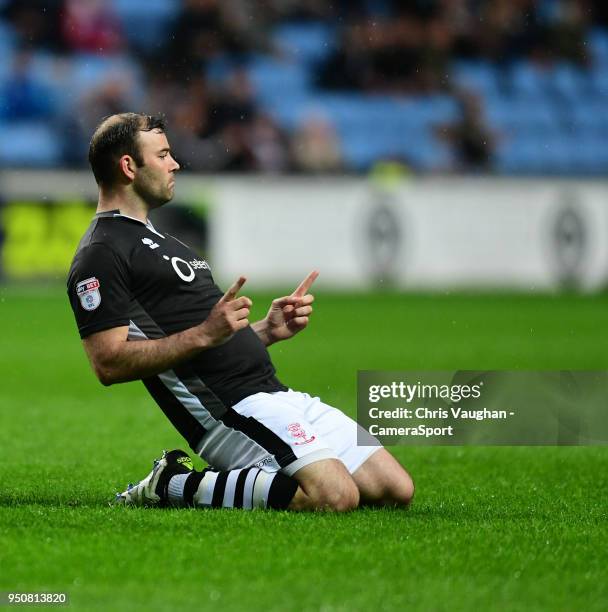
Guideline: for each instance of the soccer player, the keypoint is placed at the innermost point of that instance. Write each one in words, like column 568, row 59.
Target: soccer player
column 147, row 309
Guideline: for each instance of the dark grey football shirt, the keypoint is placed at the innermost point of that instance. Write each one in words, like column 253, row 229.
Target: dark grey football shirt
column 127, row 273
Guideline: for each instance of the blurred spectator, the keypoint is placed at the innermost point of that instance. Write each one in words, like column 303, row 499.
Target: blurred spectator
column 231, row 103
column 191, row 151
column 269, row 146
column 223, row 120
column 562, row 28
column 90, row 26
column 471, row 139
column 24, row 97
column 296, row 10
column 315, row 146
column 114, row 95
column 497, row 30
column 207, row 29
column 512, row 29
column 221, row 129
column 196, row 37
column 187, row 108
column 164, row 92
column 407, row 46
column 405, row 52
column 36, row 23
column 599, row 11
column 236, row 152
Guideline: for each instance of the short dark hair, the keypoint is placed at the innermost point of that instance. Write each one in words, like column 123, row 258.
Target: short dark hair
column 116, row 136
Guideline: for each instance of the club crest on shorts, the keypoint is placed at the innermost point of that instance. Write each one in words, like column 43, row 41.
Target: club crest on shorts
column 88, row 293
column 296, row 431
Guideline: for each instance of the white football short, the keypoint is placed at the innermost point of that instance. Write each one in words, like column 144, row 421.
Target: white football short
column 283, row 431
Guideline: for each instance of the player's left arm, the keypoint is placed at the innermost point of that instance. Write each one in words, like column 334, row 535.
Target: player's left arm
column 288, row 315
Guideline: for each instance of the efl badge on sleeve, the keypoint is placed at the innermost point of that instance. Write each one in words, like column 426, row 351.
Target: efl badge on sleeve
column 88, row 293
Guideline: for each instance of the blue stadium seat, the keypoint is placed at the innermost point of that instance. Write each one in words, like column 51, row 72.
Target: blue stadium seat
column 32, row 144
column 90, row 71
column 598, row 80
column 598, row 44
column 360, row 153
column 426, row 153
column 532, row 114
column 65, row 80
column 418, row 148
column 556, row 155
column 588, row 116
column 518, row 156
column 270, row 76
column 527, row 80
column 307, row 42
column 477, row 76
column 348, row 108
column 591, row 155
column 289, row 111
column 50, row 71
column 431, row 110
column 7, row 47
column 355, row 111
column 387, row 124
column 567, row 80
column 220, row 67
column 372, row 127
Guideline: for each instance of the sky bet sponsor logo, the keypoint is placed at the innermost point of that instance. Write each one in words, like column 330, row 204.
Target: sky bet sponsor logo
column 88, row 293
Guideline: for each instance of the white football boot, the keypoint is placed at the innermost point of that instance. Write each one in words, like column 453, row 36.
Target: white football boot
column 152, row 490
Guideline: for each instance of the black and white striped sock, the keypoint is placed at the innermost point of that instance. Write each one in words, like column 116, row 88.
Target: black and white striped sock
column 247, row 489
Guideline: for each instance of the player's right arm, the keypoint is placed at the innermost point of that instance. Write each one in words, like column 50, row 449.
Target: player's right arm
column 99, row 288
column 115, row 359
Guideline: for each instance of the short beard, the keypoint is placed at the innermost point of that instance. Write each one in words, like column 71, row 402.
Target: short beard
column 153, row 200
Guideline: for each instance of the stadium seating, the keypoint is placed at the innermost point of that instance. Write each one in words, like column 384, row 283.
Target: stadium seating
column 308, row 43
column 548, row 119
column 29, row 144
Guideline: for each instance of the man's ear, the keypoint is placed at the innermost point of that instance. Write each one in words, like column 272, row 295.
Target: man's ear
column 127, row 166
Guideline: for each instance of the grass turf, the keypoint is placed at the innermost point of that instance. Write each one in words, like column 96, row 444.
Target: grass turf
column 499, row 528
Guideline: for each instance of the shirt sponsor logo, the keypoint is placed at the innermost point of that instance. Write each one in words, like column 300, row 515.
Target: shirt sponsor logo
column 296, row 431
column 200, row 264
column 88, row 293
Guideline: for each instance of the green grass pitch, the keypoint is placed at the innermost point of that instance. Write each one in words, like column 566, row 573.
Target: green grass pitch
column 491, row 528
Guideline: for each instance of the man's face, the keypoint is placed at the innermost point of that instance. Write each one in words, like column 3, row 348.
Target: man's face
column 155, row 180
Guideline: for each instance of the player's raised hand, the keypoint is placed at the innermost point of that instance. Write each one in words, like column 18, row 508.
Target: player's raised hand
column 290, row 314
column 233, row 290
column 306, row 284
column 228, row 316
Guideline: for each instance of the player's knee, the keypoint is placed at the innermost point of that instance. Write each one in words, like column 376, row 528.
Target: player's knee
column 407, row 491
column 402, row 492
column 340, row 499
column 337, row 495
column 328, row 486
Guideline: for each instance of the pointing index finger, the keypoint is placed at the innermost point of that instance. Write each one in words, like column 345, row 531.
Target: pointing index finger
column 233, row 290
column 305, row 285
